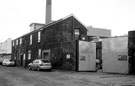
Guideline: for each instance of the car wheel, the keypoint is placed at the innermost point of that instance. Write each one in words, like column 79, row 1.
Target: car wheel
column 50, row 70
column 29, row 68
column 4, row 64
column 38, row 69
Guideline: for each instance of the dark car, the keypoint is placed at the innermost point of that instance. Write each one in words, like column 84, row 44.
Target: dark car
column 39, row 64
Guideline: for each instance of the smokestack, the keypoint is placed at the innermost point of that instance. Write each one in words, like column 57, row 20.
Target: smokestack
column 48, row 11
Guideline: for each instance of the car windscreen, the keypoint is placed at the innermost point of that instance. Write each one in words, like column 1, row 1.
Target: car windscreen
column 44, row 61
column 10, row 60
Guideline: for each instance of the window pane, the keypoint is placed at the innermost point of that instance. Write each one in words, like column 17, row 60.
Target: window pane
column 39, row 53
column 20, row 40
column 30, row 39
column 77, row 32
column 16, row 42
column 39, row 34
column 29, row 54
column 13, row 43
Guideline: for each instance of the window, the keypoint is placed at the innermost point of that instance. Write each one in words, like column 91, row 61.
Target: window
column 30, row 39
column 39, row 53
column 13, row 43
column 14, row 58
column 16, row 42
column 20, row 40
column 39, row 34
column 29, row 54
column 77, row 32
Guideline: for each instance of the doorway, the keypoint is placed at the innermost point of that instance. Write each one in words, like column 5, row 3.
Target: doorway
column 46, row 55
column 21, row 60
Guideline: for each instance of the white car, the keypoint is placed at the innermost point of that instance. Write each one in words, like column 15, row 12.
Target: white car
column 39, row 64
column 8, row 62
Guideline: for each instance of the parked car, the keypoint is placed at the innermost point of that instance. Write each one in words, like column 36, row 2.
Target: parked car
column 1, row 60
column 8, row 62
column 39, row 64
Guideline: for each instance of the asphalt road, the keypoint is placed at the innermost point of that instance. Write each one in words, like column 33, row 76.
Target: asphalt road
column 18, row 76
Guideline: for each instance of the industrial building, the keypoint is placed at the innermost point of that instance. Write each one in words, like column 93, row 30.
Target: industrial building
column 66, row 43
column 53, row 42
column 100, row 32
column 96, row 35
column 5, row 48
column 131, row 51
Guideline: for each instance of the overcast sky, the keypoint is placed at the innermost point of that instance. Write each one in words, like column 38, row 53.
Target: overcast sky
column 17, row 15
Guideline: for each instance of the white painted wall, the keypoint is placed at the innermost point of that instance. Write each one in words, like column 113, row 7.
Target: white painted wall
column 5, row 47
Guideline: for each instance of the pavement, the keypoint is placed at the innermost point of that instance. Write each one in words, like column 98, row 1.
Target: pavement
column 19, row 76
column 104, row 79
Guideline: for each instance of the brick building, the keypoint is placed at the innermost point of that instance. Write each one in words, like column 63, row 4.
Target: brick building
column 54, row 42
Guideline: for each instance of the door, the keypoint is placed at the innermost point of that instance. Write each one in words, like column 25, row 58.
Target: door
column 21, row 62
column 46, row 55
column 87, row 56
column 24, row 57
column 92, row 50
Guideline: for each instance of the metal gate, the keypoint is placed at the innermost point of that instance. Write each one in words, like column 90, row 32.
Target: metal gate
column 87, row 56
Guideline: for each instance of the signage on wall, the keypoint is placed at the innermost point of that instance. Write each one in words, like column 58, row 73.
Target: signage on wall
column 82, row 58
column 122, row 57
column 68, row 56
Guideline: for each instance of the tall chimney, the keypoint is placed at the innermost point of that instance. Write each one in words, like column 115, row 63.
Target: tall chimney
column 48, row 11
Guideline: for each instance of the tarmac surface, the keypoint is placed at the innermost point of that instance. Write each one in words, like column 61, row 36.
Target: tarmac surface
column 19, row 76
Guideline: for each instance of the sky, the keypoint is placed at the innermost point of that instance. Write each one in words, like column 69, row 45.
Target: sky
column 17, row 15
